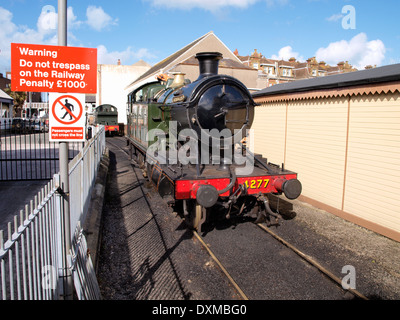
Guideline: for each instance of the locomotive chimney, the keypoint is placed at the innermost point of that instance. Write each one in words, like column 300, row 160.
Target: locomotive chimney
column 208, row 63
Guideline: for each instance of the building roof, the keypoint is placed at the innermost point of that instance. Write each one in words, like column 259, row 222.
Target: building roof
column 4, row 97
column 363, row 77
column 141, row 63
column 181, row 55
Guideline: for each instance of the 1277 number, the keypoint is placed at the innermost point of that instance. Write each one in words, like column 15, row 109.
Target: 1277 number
column 256, row 183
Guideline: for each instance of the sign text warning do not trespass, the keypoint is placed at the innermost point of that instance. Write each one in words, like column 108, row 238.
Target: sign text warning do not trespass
column 44, row 68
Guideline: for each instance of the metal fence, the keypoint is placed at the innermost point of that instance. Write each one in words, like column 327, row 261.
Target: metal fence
column 33, row 261
column 82, row 175
column 30, row 248
column 26, row 152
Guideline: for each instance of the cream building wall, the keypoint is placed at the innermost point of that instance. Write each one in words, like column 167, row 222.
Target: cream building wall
column 112, row 82
column 345, row 146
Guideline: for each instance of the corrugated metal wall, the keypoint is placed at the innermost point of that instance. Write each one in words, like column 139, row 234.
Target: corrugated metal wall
column 345, row 149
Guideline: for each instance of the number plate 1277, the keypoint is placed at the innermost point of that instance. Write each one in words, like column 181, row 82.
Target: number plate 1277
column 256, row 183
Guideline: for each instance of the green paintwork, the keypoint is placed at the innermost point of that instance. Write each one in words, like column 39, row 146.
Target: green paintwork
column 145, row 114
column 106, row 114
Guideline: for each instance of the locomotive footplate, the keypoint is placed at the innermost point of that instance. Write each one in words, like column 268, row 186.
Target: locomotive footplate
column 282, row 181
column 229, row 190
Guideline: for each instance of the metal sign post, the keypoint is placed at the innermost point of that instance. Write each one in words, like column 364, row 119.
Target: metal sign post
column 64, row 179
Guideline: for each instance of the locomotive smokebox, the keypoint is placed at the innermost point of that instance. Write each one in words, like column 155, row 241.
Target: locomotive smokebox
column 208, row 63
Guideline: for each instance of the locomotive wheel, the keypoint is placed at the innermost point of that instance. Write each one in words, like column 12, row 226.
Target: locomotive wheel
column 196, row 215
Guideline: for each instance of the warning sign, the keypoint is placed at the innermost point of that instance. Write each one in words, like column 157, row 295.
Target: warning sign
column 66, row 117
column 45, row 68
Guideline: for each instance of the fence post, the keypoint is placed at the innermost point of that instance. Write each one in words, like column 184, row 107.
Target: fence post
column 63, row 248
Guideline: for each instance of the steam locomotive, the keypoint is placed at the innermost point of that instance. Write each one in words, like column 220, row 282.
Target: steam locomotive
column 191, row 140
column 107, row 115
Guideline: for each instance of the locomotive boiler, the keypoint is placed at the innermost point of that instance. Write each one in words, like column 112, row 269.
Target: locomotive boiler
column 188, row 137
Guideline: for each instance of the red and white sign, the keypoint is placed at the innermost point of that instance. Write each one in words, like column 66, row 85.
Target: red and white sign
column 44, row 68
column 67, row 117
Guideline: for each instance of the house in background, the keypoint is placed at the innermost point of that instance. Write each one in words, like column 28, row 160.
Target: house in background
column 6, row 105
column 6, row 102
column 5, row 82
column 271, row 71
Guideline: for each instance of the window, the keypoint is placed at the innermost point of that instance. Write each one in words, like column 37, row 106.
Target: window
column 271, row 70
column 255, row 65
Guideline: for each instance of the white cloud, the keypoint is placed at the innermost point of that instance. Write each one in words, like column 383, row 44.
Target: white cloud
column 72, row 19
column 286, row 53
column 128, row 56
column 358, row 51
column 45, row 32
column 7, row 26
column 209, row 5
column 98, row 19
column 335, row 17
column 10, row 32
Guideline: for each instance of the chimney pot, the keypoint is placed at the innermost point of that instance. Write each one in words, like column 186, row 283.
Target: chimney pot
column 208, row 63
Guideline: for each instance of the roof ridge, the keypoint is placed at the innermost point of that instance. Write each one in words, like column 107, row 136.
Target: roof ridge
column 154, row 69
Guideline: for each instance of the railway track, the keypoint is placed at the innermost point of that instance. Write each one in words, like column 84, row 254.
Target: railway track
column 238, row 283
column 308, row 259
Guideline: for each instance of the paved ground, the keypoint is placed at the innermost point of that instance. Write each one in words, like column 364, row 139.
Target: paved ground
column 144, row 252
column 375, row 257
column 14, row 195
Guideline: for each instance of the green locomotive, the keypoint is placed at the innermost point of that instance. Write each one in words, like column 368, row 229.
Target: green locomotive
column 107, row 115
column 187, row 136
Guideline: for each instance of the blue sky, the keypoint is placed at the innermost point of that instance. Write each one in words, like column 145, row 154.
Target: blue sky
column 153, row 29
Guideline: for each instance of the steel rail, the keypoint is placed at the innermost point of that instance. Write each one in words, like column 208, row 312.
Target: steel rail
column 231, row 280
column 311, row 261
